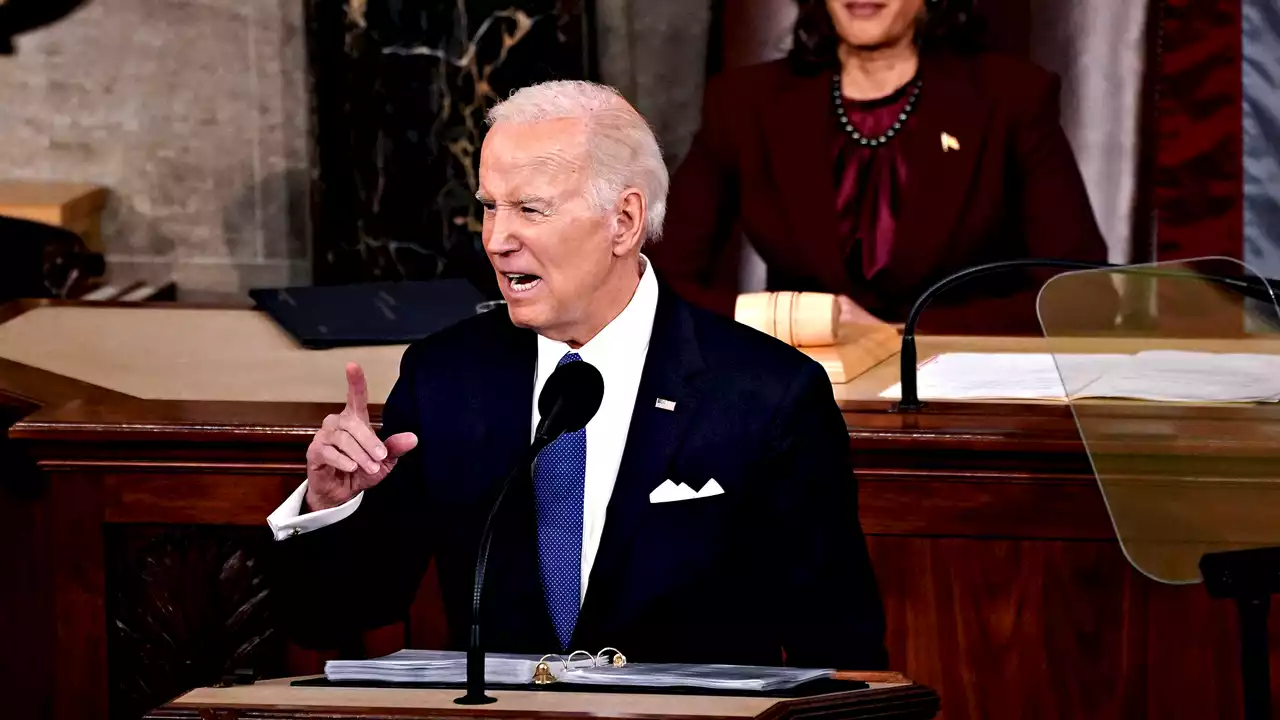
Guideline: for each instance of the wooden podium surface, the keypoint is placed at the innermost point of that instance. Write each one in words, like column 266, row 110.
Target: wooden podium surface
column 277, row 699
column 134, row 562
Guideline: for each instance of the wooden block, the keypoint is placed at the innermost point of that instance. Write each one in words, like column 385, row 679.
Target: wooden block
column 811, row 323
column 74, row 206
column 858, row 349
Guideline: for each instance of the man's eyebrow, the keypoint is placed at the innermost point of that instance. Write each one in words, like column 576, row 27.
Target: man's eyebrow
column 482, row 197
column 532, row 200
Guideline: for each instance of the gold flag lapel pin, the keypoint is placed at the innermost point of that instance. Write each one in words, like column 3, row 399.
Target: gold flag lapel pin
column 949, row 142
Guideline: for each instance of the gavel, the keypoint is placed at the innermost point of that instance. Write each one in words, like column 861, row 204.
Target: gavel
column 800, row 319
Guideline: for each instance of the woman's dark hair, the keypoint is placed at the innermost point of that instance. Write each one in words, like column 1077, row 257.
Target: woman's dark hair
column 951, row 24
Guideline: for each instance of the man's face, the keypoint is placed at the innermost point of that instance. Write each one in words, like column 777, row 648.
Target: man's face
column 551, row 250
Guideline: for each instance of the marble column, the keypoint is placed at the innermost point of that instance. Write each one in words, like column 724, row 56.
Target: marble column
column 400, row 89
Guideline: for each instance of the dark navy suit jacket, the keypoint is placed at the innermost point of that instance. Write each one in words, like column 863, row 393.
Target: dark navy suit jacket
column 773, row 570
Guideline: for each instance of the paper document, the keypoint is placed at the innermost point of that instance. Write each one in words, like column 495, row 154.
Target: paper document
column 431, row 666
column 989, row 376
column 439, row 666
column 1181, row 376
column 707, row 677
column 1154, row 375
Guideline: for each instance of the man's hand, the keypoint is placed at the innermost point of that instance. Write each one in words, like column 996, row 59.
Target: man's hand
column 346, row 457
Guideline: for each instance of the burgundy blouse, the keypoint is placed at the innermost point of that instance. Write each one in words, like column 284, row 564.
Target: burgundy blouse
column 869, row 183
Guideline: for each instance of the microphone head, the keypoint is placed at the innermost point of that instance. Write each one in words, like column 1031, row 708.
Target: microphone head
column 569, row 399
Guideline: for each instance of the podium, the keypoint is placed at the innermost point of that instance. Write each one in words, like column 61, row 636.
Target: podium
column 136, row 536
column 894, row 699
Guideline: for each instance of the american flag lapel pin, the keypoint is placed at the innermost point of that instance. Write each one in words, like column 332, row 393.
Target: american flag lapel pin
column 949, row 142
column 665, row 404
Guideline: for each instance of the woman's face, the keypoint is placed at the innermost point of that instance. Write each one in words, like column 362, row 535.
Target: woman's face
column 875, row 23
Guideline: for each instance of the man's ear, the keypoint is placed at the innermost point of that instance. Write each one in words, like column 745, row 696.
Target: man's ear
column 628, row 222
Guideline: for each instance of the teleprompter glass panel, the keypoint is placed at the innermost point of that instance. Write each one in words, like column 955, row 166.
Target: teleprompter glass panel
column 1176, row 402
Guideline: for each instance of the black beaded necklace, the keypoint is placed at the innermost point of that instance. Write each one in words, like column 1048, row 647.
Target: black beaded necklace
column 837, row 95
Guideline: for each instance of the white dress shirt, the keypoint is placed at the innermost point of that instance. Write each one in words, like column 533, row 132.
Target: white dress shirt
column 618, row 351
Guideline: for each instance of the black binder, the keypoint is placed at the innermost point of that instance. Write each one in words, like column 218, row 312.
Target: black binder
column 382, row 313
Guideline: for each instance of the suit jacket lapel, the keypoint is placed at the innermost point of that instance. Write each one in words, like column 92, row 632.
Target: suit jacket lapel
column 652, row 441
column 508, row 397
column 800, row 139
column 938, row 182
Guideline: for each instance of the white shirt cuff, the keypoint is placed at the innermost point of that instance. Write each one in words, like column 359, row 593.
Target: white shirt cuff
column 287, row 521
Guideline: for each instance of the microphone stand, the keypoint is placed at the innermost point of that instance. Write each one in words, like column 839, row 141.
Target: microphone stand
column 1259, row 288
column 1250, row 578
column 475, row 651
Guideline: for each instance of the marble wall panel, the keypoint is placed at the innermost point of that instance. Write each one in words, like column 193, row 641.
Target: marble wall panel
column 400, row 90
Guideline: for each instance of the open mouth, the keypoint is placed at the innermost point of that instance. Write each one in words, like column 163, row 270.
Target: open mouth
column 522, row 282
column 864, row 9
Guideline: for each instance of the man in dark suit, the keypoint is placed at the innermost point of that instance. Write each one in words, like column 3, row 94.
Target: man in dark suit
column 707, row 513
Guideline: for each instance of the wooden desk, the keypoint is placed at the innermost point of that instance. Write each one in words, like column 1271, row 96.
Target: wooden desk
column 140, row 547
column 888, row 701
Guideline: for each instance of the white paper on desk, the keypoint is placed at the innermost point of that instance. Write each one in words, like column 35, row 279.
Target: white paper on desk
column 444, row 666
column 706, row 677
column 1182, row 376
column 1015, row 376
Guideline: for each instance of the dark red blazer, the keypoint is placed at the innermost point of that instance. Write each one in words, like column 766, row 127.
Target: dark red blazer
column 763, row 163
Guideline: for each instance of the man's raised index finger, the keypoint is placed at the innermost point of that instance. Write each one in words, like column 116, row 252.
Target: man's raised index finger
column 357, row 391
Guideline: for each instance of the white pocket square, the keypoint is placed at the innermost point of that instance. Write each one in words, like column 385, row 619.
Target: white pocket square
column 671, row 492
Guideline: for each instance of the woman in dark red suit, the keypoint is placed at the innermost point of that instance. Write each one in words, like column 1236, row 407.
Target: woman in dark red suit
column 881, row 156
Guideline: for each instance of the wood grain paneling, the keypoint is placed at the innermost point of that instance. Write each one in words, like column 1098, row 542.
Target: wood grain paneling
column 76, row 553
column 982, row 505
column 182, row 494
column 187, row 605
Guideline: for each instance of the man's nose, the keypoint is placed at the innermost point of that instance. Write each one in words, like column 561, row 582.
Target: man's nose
column 500, row 236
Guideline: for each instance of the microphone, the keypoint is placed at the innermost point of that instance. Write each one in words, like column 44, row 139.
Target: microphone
column 1252, row 286
column 569, row 399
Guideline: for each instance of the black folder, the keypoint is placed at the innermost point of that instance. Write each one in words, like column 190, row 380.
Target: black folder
column 382, row 313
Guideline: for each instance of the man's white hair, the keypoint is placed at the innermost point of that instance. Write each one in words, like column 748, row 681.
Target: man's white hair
column 623, row 150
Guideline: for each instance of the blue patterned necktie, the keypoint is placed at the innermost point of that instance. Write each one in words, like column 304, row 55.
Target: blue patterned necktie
column 559, row 479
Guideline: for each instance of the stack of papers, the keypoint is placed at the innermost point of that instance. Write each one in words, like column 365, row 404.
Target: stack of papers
column 707, row 677
column 431, row 666
column 447, row 667
column 1179, row 376
column 1153, row 375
